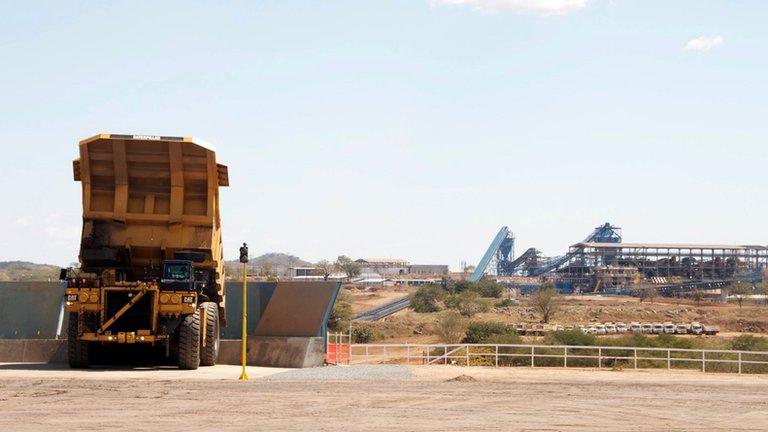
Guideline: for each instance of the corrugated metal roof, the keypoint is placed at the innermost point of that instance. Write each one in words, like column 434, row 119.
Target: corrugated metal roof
column 667, row 246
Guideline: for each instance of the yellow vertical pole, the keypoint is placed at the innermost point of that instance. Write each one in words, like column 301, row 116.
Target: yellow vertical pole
column 244, row 374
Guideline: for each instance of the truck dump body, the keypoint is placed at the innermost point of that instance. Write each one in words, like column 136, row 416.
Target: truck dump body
column 151, row 258
column 147, row 198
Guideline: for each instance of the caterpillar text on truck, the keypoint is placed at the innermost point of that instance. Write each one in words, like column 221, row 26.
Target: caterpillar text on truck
column 151, row 261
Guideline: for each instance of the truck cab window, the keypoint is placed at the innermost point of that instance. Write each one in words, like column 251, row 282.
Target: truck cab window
column 176, row 272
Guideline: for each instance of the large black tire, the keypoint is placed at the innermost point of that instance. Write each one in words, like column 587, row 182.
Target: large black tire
column 210, row 352
column 189, row 342
column 78, row 352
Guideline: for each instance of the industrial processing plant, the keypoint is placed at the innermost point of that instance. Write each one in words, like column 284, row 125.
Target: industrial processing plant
column 602, row 262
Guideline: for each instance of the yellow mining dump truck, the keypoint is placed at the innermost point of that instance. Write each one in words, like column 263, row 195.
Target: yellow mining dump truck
column 151, row 263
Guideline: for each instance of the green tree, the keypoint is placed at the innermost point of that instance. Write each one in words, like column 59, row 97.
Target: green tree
column 546, row 301
column 345, row 264
column 697, row 296
column 426, row 299
column 325, row 268
column 646, row 293
column 739, row 290
column 763, row 289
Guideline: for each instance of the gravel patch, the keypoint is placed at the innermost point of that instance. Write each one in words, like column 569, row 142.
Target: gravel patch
column 346, row 373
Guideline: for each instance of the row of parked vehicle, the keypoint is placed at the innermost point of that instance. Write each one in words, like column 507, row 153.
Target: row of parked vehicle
column 609, row 328
column 694, row 328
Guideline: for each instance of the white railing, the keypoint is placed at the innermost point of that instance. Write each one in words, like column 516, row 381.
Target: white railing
column 562, row 356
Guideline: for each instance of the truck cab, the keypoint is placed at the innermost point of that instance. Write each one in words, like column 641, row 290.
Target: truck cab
column 178, row 275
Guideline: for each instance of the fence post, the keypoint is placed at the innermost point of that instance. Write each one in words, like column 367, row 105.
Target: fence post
column 428, row 360
column 599, row 358
column 533, row 348
column 703, row 361
column 565, row 357
column 408, row 353
column 467, row 354
column 635, row 358
column 739, row 361
column 669, row 359
column 385, row 352
column 445, row 354
column 338, row 348
column 497, row 356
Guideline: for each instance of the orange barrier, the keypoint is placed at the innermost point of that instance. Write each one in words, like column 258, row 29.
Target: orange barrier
column 337, row 354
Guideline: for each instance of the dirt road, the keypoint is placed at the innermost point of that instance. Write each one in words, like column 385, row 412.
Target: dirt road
column 34, row 398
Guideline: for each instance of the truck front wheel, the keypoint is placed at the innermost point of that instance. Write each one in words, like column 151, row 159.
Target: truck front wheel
column 77, row 350
column 189, row 342
column 210, row 352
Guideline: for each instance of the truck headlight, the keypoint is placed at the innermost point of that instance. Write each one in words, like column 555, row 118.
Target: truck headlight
column 188, row 299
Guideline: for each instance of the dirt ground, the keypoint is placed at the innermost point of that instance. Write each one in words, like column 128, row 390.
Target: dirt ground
column 47, row 398
column 368, row 298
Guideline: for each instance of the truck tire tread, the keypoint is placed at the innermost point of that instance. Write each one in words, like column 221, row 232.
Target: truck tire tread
column 189, row 342
column 78, row 353
column 210, row 353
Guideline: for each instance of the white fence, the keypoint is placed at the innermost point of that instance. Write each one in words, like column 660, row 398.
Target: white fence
column 562, row 356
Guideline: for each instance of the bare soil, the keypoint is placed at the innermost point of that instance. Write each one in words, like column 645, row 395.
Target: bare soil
column 368, row 298
column 483, row 399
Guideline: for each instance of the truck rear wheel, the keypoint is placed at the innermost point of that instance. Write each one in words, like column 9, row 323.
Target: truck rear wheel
column 77, row 350
column 189, row 342
column 210, row 352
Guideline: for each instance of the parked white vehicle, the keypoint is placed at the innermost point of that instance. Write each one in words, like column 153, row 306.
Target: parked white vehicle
column 635, row 327
column 711, row 330
column 682, row 329
column 697, row 328
column 658, row 328
column 610, row 328
column 621, row 327
column 670, row 328
column 600, row 329
column 647, row 328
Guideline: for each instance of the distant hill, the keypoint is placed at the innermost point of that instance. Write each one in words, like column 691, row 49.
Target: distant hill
column 273, row 263
column 27, row 271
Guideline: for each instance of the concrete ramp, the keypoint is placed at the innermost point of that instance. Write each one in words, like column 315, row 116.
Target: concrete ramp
column 298, row 309
column 275, row 351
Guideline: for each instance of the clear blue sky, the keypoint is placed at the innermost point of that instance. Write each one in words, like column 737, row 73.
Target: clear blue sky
column 410, row 129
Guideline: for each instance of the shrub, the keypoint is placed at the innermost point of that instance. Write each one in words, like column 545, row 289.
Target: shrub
column 450, row 327
column 482, row 331
column 363, row 335
column 749, row 343
column 570, row 337
column 469, row 303
column 425, row 299
column 452, row 301
column 506, row 302
column 341, row 315
column 488, row 289
column 460, row 286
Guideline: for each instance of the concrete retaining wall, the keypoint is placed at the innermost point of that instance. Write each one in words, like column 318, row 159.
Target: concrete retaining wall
column 33, row 350
column 289, row 352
